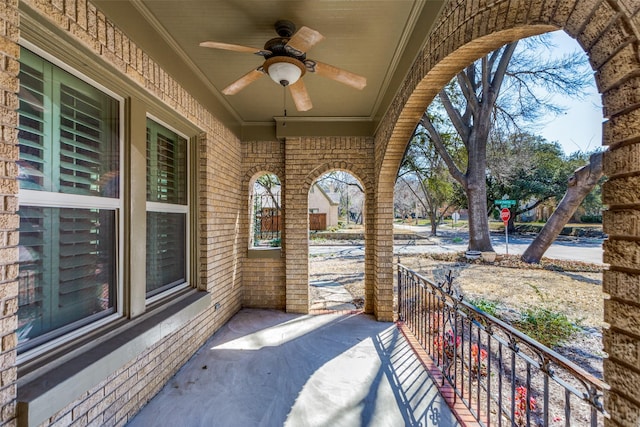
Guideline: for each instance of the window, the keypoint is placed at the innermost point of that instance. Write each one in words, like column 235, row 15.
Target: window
column 266, row 212
column 72, row 243
column 69, row 199
column 167, row 209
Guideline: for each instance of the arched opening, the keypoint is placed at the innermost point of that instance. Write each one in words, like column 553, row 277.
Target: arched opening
column 265, row 211
column 336, row 205
column 538, row 297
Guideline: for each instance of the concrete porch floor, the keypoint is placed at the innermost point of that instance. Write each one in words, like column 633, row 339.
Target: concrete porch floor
column 269, row 368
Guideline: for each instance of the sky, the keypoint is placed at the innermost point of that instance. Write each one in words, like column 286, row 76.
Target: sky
column 580, row 128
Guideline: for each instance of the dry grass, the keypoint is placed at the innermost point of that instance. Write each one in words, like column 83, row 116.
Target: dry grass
column 571, row 288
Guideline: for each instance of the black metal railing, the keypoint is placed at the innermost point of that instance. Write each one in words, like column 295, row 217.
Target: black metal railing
column 267, row 223
column 502, row 376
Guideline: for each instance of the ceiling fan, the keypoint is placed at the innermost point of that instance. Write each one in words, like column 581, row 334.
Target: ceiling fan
column 286, row 62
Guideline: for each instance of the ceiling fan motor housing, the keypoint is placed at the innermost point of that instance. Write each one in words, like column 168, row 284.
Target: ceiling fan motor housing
column 278, row 47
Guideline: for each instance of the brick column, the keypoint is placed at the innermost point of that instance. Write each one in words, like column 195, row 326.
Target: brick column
column 383, row 264
column 9, row 222
column 608, row 41
column 296, row 227
column 622, row 281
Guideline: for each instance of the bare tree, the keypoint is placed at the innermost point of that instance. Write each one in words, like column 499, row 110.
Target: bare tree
column 404, row 198
column 271, row 185
column 426, row 176
column 351, row 193
column 473, row 125
column 499, row 91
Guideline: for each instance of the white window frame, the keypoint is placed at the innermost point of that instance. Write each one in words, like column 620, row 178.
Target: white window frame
column 66, row 200
column 175, row 208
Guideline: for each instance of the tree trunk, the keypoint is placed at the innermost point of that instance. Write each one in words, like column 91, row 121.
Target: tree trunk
column 512, row 221
column 476, row 188
column 433, row 217
column 479, row 237
column 580, row 184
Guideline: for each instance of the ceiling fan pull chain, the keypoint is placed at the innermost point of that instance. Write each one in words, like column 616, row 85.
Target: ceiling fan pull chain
column 284, row 103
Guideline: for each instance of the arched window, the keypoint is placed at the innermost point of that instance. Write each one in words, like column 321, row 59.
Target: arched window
column 266, row 214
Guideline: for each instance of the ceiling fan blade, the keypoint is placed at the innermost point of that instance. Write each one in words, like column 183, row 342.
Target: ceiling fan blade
column 300, row 96
column 303, row 40
column 235, row 48
column 337, row 74
column 243, row 81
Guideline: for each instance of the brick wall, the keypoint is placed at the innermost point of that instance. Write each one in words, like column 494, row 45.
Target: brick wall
column 115, row 400
column 609, row 32
column 298, row 162
column 263, row 277
column 264, row 283
column 9, row 68
column 306, row 159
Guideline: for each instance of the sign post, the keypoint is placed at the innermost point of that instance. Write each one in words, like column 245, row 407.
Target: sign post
column 505, row 214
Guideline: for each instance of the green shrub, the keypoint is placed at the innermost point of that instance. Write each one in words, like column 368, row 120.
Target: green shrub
column 545, row 326
column 591, row 219
column 489, row 307
column 275, row 243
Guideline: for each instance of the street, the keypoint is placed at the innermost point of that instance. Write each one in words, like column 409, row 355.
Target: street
column 566, row 248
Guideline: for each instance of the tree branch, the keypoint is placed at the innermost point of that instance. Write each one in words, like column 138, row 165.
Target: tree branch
column 442, row 150
column 468, row 90
column 454, row 116
column 533, row 206
column 501, row 70
column 426, row 207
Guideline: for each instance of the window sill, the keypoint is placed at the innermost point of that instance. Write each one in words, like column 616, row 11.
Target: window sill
column 44, row 391
column 272, row 253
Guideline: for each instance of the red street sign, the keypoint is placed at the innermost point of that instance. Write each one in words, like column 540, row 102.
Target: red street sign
column 505, row 214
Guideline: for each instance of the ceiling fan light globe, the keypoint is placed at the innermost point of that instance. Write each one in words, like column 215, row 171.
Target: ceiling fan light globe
column 284, row 73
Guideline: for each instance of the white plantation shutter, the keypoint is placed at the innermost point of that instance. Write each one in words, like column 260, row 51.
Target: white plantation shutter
column 66, row 272
column 81, row 132
column 85, row 271
column 165, row 250
column 67, row 132
column 68, row 135
column 35, row 112
column 166, row 165
column 166, row 208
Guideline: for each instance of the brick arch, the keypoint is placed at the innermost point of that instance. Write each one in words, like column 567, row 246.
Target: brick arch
column 366, row 181
column 364, row 178
column 409, row 110
column 304, row 160
column 250, row 175
column 609, row 32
